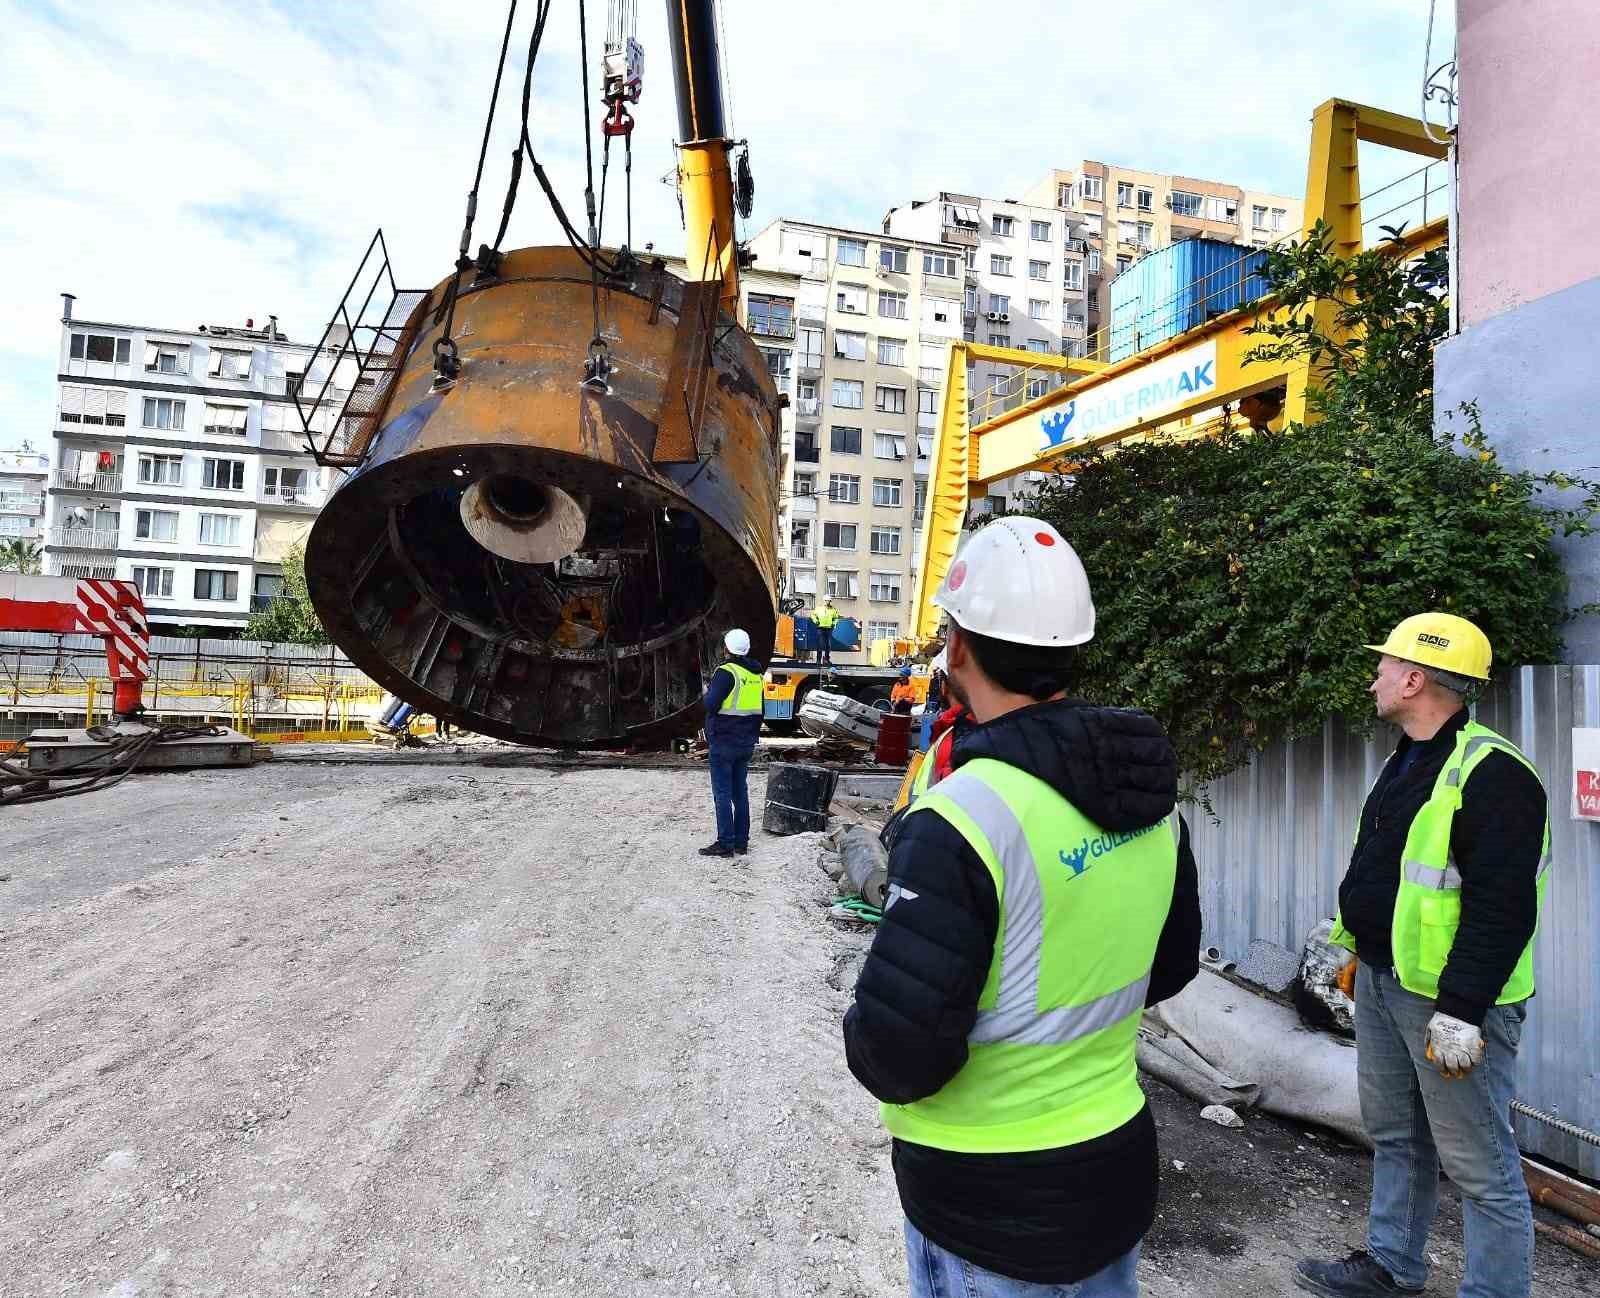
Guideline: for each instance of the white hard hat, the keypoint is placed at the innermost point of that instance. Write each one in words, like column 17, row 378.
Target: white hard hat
column 1018, row 580
column 737, row 642
column 940, row 663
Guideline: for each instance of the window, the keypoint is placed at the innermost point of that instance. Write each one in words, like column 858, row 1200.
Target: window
column 1278, row 215
column 224, row 475
column 1038, row 387
column 891, row 305
column 803, row 581
column 851, row 298
column 886, row 492
column 888, row 445
column 219, row 529
column 924, row 445
column 844, row 584
column 849, row 346
column 1221, row 209
column 283, row 483
column 104, row 348
column 1063, row 194
column 778, row 359
column 1258, row 243
column 1185, row 204
column 1094, row 261
column 894, row 259
column 1038, row 308
column 163, row 358
column 1124, row 193
column 1003, row 226
column 843, row 440
column 800, row 538
column 999, row 265
column 1038, row 345
column 230, row 364
column 844, row 488
column 1093, row 188
column 927, row 402
column 1000, row 303
column 160, row 412
column 838, row 536
column 1038, row 270
column 852, row 252
column 1074, row 275
column 810, row 348
column 885, row 540
column 971, row 258
column 294, row 382
column 805, row 447
column 891, row 401
column 931, row 374
column 885, row 587
column 1039, row 231
column 1258, row 217
column 228, row 420
column 999, row 340
column 969, row 300
column 1147, row 199
column 1094, row 299
column 882, row 631
column 920, row 501
column 1124, row 260
column 891, row 351
column 153, row 583
column 1127, row 231
column 805, row 484
column 215, row 583
column 1147, row 232
column 161, row 470
column 848, row 394
column 939, row 263
column 773, row 316
column 156, row 524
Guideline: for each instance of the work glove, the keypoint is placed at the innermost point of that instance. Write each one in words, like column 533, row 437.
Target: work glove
column 1345, row 978
column 1454, row 1048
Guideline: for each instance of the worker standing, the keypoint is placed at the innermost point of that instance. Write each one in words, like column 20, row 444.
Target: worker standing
column 733, row 724
column 826, row 618
column 1001, row 1038
column 1440, row 904
column 903, row 697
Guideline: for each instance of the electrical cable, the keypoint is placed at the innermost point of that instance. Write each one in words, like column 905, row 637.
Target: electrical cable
column 596, row 343
column 118, row 760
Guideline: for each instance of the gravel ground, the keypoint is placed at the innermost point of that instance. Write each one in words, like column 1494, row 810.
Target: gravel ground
column 401, row 1031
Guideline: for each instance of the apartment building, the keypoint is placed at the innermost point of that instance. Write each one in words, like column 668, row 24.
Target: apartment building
column 23, row 478
column 180, row 464
column 1124, row 213
column 874, row 320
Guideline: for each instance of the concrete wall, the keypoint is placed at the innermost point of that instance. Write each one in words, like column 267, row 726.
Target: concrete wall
column 1528, row 182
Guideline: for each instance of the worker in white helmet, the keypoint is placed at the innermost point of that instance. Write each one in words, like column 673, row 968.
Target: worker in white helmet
column 1001, row 1039
column 733, row 724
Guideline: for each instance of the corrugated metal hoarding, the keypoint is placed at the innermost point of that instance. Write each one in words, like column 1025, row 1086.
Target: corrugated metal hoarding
column 1272, row 857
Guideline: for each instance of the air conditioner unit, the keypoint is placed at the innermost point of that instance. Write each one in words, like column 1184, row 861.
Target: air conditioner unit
column 1004, row 317
column 993, row 315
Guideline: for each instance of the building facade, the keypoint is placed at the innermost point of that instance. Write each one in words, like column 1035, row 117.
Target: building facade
column 180, row 464
column 874, row 319
column 23, row 480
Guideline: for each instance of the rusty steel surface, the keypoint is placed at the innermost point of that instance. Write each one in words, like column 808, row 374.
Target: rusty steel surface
column 612, row 644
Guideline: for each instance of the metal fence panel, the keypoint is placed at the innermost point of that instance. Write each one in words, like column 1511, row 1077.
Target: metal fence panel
column 1272, row 856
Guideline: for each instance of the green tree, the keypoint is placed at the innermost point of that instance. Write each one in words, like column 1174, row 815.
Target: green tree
column 289, row 618
column 17, row 555
column 1238, row 577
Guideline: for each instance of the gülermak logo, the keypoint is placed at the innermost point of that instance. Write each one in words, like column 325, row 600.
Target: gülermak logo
column 1129, row 400
column 1085, row 854
column 1055, row 425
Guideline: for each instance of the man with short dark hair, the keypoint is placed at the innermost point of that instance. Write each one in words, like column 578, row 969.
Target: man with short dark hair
column 1041, row 896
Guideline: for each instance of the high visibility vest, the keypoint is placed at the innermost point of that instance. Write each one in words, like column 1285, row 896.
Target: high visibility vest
column 826, row 618
column 1050, row 1060
column 744, row 699
column 1427, row 907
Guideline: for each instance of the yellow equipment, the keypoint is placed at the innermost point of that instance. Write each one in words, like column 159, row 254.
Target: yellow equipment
column 1442, row 640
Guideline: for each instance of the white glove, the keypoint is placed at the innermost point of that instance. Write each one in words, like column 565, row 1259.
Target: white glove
column 1455, row 1048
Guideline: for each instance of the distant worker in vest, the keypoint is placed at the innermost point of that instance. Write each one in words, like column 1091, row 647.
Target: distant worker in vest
column 1438, row 909
column 733, row 724
column 826, row 617
column 1041, row 896
column 903, row 697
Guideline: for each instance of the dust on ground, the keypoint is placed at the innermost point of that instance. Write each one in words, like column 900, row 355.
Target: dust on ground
column 410, row 1031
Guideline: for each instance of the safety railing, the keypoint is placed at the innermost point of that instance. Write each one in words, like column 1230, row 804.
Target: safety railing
column 66, row 480
column 83, row 538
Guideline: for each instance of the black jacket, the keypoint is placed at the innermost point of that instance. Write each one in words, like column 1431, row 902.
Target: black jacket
column 1053, row 1216
column 1497, row 839
column 730, row 732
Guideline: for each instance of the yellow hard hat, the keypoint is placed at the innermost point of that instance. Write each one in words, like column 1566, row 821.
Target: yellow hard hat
column 1442, row 640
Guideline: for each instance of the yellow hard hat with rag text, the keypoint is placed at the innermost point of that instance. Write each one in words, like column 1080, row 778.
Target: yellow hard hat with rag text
column 1442, row 640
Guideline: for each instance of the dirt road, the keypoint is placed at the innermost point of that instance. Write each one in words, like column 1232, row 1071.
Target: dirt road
column 483, row 1032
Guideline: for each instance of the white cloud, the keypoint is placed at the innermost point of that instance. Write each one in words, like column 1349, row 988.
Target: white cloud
column 173, row 161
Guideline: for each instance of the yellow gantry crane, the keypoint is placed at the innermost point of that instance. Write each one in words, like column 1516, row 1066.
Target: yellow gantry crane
column 1193, row 372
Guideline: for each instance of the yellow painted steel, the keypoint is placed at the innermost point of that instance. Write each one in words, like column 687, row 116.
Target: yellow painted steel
column 705, row 179
column 948, row 478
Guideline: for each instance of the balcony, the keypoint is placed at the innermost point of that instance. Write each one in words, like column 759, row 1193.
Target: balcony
column 808, row 408
column 91, row 484
column 807, row 454
column 802, row 550
column 16, row 503
column 770, row 327
column 803, row 505
column 83, row 538
column 1076, row 247
column 962, row 236
column 1074, row 328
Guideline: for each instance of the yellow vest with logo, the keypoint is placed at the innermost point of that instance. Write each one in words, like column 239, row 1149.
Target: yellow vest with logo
column 744, row 699
column 826, row 618
column 1050, row 1060
column 1427, row 908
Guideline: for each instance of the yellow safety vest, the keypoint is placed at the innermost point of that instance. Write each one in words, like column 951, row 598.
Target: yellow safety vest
column 1050, row 1060
column 744, row 699
column 1427, row 907
column 826, row 618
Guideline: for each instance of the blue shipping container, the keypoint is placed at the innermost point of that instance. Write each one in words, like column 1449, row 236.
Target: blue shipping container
column 807, row 639
column 1182, row 286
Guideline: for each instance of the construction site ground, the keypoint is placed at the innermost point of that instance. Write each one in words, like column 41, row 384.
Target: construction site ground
column 478, row 1029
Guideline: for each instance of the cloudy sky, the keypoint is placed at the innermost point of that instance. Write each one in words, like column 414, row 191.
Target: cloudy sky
column 180, row 161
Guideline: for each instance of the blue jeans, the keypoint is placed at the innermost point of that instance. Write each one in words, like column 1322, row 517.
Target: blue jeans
column 1419, row 1121
column 938, row 1273
column 729, row 770
column 825, row 645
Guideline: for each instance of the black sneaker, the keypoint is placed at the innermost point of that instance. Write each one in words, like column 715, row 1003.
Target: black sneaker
column 743, row 849
column 716, row 849
column 1358, row 1276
